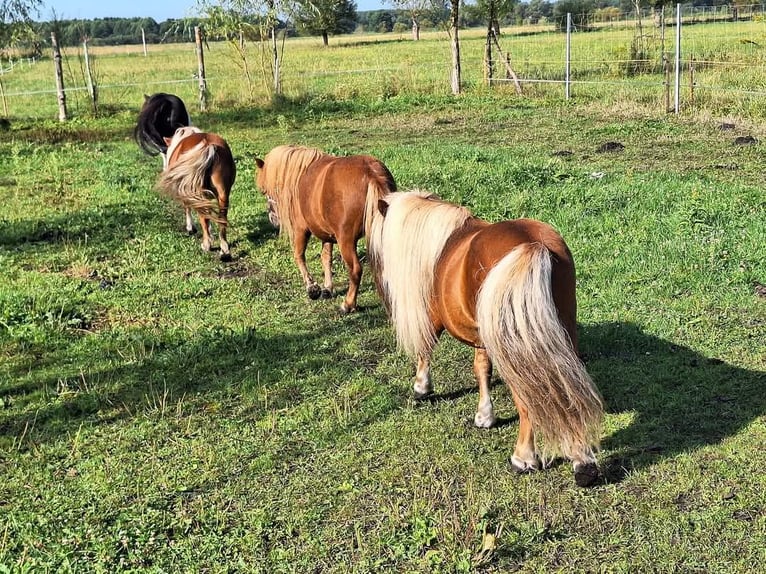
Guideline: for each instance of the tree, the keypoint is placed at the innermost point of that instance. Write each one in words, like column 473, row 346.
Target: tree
column 16, row 20
column 325, row 17
column 454, row 24
column 493, row 11
column 416, row 9
column 240, row 21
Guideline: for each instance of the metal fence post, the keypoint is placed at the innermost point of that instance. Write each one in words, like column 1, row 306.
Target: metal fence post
column 677, row 103
column 568, row 56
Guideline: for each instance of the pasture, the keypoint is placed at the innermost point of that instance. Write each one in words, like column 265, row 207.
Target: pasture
column 163, row 411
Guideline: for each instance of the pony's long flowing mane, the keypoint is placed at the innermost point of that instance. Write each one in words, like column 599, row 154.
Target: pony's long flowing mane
column 405, row 246
column 282, row 168
column 161, row 115
column 184, row 179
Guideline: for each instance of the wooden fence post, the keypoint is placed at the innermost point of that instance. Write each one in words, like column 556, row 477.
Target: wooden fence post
column 201, row 70
column 59, row 78
column 92, row 92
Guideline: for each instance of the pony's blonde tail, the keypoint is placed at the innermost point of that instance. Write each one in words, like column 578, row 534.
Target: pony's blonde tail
column 184, row 181
column 519, row 326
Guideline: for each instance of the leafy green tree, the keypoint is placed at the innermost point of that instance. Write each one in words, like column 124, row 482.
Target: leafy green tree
column 240, row 21
column 16, row 21
column 581, row 11
column 417, row 10
column 325, row 17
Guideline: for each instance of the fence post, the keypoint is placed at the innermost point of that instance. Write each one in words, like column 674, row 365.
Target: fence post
column 677, row 103
column 143, row 40
column 567, row 71
column 89, row 78
column 201, row 70
column 59, row 78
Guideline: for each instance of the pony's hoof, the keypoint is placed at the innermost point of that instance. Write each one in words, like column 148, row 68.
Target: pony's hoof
column 483, row 421
column 418, row 396
column 226, row 257
column 326, row 294
column 191, row 231
column 523, row 466
column 314, row 292
column 586, row 474
column 344, row 310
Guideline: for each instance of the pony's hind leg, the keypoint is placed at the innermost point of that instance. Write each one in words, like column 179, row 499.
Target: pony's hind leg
column 422, row 386
column 482, row 369
column 351, row 259
column 327, row 267
column 300, row 242
column 585, row 468
column 189, row 223
column 204, row 224
column 524, row 457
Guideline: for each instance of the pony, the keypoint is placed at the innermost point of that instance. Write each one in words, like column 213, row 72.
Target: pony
column 160, row 116
column 200, row 173
column 309, row 192
column 508, row 290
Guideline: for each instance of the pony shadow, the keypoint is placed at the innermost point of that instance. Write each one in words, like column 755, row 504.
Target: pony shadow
column 107, row 227
column 173, row 373
column 259, row 229
column 680, row 400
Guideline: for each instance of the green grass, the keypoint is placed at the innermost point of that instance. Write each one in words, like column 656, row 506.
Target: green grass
column 163, row 411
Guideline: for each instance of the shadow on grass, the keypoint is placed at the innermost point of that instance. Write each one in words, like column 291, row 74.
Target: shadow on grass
column 681, row 400
column 152, row 372
column 107, row 227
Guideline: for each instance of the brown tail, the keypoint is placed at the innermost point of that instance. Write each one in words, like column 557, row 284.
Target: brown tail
column 185, row 180
column 519, row 326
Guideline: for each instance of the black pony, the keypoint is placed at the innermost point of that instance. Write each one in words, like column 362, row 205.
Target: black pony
column 160, row 116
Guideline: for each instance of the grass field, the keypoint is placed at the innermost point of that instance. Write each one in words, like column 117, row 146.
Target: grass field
column 162, row 411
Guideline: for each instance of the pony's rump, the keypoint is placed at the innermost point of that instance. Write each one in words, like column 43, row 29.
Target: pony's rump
column 160, row 116
column 192, row 155
column 519, row 326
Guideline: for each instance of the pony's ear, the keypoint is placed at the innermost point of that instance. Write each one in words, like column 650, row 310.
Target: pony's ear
column 259, row 163
column 167, row 140
column 383, row 207
column 146, row 98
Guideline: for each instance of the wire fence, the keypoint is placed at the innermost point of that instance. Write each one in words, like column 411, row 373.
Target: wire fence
column 721, row 66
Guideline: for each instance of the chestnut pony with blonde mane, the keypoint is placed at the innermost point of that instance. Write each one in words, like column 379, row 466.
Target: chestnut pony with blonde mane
column 333, row 198
column 508, row 290
column 199, row 174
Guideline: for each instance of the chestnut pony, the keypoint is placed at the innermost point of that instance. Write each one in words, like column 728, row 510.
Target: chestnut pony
column 333, row 198
column 508, row 290
column 200, row 173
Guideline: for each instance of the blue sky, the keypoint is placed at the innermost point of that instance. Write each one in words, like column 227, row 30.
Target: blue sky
column 158, row 9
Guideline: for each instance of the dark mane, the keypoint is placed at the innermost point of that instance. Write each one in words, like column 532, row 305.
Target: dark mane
column 160, row 116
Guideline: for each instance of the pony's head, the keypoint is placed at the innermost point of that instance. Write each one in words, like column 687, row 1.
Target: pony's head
column 277, row 175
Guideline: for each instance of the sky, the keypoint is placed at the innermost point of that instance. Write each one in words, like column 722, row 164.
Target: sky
column 160, row 10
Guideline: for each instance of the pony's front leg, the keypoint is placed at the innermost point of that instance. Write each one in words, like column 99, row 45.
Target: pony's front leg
column 189, row 223
column 299, row 254
column 524, row 457
column 422, row 386
column 204, row 223
column 351, row 259
column 327, row 267
column 482, row 369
